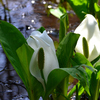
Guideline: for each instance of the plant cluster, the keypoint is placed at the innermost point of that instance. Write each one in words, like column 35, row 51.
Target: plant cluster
column 45, row 71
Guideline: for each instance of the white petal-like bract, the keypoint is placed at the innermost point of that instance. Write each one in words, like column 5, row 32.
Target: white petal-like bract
column 90, row 30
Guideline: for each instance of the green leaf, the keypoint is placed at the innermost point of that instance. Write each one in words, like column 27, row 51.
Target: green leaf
column 41, row 29
column 35, row 91
column 97, row 66
column 79, row 59
column 95, row 60
column 58, row 12
column 11, row 40
column 94, row 86
column 97, row 11
column 81, row 87
column 80, row 7
column 96, row 7
column 91, row 7
column 64, row 25
column 57, row 75
column 83, row 7
column 85, row 85
column 66, row 48
column 24, row 54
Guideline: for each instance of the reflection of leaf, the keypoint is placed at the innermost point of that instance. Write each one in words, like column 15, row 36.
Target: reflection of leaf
column 7, row 9
column 11, row 40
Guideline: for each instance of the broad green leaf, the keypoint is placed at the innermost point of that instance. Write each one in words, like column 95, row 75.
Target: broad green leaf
column 94, row 86
column 91, row 7
column 58, row 12
column 64, row 25
column 66, row 48
column 80, row 86
column 79, row 59
column 11, row 39
column 86, row 86
column 57, row 75
column 80, row 7
column 33, row 87
column 83, row 7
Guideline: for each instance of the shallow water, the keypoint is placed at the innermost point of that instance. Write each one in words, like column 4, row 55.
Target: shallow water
column 27, row 16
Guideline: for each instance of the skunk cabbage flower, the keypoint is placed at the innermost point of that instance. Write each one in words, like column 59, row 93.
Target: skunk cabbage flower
column 37, row 41
column 58, row 1
column 90, row 35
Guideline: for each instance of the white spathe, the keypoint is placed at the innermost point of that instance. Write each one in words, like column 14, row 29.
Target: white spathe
column 90, row 30
column 58, row 1
column 37, row 40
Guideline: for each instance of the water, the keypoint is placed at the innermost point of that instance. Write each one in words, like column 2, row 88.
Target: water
column 26, row 15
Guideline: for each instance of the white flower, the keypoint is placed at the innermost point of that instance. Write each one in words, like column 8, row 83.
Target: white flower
column 58, row 1
column 90, row 30
column 39, row 40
